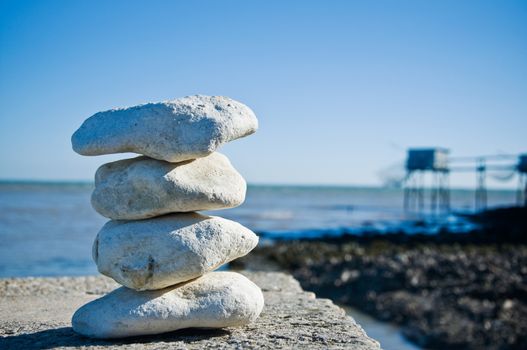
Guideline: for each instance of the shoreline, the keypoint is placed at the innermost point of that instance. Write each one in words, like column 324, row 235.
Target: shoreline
column 450, row 290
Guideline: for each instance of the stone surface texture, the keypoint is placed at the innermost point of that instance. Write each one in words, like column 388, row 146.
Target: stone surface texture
column 177, row 130
column 215, row 300
column 160, row 252
column 36, row 314
column 143, row 187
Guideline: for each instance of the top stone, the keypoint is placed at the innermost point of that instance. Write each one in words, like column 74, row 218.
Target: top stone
column 186, row 128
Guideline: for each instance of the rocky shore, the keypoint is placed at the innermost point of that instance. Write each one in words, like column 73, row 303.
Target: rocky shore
column 446, row 291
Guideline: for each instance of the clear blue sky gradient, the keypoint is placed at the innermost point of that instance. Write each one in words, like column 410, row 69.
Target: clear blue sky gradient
column 341, row 88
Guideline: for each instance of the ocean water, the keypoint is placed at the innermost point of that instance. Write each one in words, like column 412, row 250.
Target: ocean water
column 47, row 229
column 389, row 335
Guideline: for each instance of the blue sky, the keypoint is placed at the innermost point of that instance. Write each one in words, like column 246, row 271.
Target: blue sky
column 341, row 88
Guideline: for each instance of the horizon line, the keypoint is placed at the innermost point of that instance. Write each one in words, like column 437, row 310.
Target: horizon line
column 255, row 184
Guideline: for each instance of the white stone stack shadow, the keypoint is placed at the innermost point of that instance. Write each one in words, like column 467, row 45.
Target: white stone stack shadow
column 156, row 245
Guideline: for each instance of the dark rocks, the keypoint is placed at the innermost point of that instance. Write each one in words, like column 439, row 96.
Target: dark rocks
column 466, row 296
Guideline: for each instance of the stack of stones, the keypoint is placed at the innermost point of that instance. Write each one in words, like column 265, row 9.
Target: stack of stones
column 155, row 244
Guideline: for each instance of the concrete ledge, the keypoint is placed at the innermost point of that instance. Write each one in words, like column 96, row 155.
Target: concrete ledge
column 35, row 313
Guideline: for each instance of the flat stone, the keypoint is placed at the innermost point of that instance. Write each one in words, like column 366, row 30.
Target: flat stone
column 36, row 314
column 177, row 130
column 143, row 187
column 215, row 300
column 160, row 252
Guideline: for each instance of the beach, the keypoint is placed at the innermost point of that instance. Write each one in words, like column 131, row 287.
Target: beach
column 433, row 277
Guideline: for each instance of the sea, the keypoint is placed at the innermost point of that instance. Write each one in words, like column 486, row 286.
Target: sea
column 47, row 228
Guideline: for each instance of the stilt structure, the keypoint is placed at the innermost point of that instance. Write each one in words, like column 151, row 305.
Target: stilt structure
column 421, row 161
column 437, row 162
column 521, row 196
column 481, row 188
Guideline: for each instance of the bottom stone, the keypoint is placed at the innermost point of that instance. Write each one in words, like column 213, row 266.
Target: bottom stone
column 214, row 300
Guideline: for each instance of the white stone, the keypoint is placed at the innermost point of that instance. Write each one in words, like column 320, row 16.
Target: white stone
column 160, row 252
column 143, row 187
column 215, row 300
column 177, row 130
